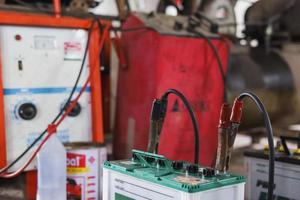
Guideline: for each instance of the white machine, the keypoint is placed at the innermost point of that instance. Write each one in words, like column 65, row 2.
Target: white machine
column 40, row 67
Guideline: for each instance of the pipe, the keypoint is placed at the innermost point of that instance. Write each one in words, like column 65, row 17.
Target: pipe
column 56, row 8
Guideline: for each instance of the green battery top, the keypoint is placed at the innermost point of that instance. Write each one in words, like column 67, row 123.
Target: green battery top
column 179, row 175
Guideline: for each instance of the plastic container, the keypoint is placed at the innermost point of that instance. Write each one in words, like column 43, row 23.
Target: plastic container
column 52, row 172
column 84, row 170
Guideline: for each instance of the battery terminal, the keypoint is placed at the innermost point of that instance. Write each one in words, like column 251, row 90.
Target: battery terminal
column 297, row 152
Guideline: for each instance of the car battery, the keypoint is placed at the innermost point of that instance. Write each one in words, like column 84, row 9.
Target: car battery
column 160, row 54
column 152, row 176
column 287, row 174
column 40, row 66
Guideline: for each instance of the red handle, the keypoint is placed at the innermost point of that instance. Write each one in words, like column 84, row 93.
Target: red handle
column 224, row 121
column 236, row 113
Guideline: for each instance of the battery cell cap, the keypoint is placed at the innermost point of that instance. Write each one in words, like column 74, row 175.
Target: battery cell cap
column 297, row 152
column 266, row 147
column 177, row 165
column 192, row 169
column 209, row 172
column 280, row 148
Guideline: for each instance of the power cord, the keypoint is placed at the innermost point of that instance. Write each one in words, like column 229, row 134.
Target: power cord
column 158, row 114
column 216, row 55
column 268, row 126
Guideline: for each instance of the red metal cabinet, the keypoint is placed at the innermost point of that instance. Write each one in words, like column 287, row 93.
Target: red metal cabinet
column 159, row 60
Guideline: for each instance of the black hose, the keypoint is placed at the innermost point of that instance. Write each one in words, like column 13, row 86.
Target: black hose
column 268, row 125
column 193, row 118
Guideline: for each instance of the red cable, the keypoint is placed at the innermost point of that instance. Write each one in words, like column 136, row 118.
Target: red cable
column 52, row 127
column 19, row 171
column 51, row 130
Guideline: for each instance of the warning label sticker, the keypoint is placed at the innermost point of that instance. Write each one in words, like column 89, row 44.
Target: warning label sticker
column 72, row 51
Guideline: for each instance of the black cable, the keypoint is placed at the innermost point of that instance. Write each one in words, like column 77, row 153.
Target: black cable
column 268, row 125
column 64, row 107
column 216, row 54
column 220, row 65
column 33, row 7
column 22, row 3
column 137, row 28
column 217, row 57
column 192, row 115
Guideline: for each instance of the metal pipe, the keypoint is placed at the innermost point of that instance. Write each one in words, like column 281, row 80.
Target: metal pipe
column 56, row 8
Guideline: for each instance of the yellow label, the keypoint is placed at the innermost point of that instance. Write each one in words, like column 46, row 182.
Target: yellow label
column 77, row 170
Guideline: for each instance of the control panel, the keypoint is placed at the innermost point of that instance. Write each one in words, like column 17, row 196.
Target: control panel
column 39, row 69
